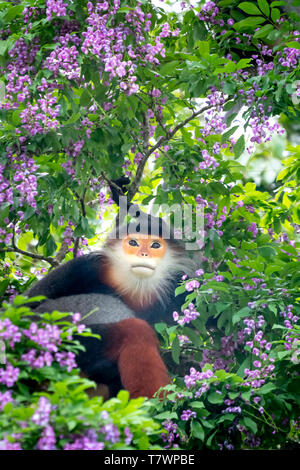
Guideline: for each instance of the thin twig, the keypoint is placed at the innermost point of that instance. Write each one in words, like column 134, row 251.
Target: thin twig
column 76, row 247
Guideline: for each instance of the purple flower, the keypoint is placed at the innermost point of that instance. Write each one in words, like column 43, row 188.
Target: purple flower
column 111, row 433
column 189, row 314
column 47, row 440
column 191, row 380
column 42, row 414
column 5, row 397
column 172, row 432
column 253, row 228
column 9, row 332
column 6, row 445
column 48, row 337
column 56, row 7
column 191, row 285
column 128, row 435
column 89, row 441
column 9, row 375
column 187, row 415
column 199, row 272
column 66, row 359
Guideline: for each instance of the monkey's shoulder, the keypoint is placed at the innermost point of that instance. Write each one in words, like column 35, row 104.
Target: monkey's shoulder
column 96, row 308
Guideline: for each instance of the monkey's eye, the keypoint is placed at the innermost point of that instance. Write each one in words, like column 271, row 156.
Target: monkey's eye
column 155, row 245
column 133, row 243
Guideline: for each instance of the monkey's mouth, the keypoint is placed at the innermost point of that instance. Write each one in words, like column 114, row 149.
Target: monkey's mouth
column 142, row 270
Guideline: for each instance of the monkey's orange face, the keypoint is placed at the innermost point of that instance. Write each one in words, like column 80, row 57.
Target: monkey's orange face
column 144, row 253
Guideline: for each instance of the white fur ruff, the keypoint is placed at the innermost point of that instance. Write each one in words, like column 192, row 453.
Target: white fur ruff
column 141, row 287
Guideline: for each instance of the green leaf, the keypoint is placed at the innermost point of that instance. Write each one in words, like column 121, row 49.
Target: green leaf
column 215, row 398
column 143, row 442
column 239, row 146
column 197, row 430
column 243, row 63
column 203, row 48
column 243, row 312
column 13, row 12
column 227, row 134
column 279, row 3
column 176, row 350
column 73, row 118
column 196, row 404
column 209, row 440
column 160, row 327
column 15, row 117
column 199, row 31
column 193, row 336
column 264, row 7
column 267, row 388
column 275, row 14
column 293, row 45
column 221, row 306
column 248, row 245
column 283, row 354
column 249, row 424
column 233, row 268
column 267, row 252
column 228, row 89
column 246, row 395
column 85, row 98
column 166, row 415
column 227, row 417
column 264, row 31
column 179, row 290
column 3, row 286
column 169, row 68
column 249, row 8
column 249, row 23
column 221, row 375
column 123, row 396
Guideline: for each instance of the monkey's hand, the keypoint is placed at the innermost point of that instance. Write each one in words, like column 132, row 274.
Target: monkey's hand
column 121, row 183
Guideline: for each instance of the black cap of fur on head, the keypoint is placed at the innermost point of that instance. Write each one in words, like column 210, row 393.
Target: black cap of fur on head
column 146, row 224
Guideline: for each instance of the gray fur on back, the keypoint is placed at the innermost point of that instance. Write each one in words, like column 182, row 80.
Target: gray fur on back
column 110, row 309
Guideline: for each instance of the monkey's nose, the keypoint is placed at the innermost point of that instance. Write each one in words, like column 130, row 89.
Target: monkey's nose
column 144, row 254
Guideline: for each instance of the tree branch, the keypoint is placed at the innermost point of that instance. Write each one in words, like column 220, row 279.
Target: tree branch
column 162, row 140
column 15, row 249
column 61, row 253
column 81, row 200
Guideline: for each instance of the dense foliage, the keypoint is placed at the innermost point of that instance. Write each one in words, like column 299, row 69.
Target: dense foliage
column 45, row 405
column 195, row 105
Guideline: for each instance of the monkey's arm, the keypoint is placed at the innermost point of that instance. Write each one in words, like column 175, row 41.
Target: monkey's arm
column 163, row 311
column 78, row 276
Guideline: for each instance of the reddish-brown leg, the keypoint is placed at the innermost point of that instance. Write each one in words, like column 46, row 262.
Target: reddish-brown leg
column 134, row 346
